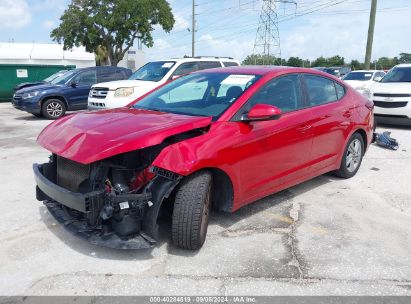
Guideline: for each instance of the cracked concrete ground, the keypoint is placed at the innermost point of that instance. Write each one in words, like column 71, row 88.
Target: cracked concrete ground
column 326, row 236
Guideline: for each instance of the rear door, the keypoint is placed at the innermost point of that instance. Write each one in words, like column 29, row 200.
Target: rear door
column 329, row 117
column 275, row 153
column 78, row 91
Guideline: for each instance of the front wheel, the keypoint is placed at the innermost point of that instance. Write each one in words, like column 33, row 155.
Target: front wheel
column 352, row 158
column 53, row 108
column 191, row 211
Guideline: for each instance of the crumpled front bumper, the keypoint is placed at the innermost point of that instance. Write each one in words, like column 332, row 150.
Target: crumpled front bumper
column 56, row 198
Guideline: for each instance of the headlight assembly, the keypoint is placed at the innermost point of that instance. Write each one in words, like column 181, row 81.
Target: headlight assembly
column 30, row 94
column 123, row 92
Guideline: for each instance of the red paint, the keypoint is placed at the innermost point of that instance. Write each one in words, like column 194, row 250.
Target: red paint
column 263, row 111
column 260, row 157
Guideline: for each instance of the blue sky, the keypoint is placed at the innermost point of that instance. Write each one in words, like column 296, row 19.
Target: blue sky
column 311, row 29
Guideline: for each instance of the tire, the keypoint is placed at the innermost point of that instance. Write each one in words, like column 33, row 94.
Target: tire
column 53, row 108
column 352, row 158
column 191, row 211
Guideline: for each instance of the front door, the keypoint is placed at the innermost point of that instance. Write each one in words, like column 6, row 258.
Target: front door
column 80, row 88
column 275, row 153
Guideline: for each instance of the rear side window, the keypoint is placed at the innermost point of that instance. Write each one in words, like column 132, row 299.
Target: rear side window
column 230, row 63
column 340, row 90
column 209, row 65
column 321, row 90
column 107, row 75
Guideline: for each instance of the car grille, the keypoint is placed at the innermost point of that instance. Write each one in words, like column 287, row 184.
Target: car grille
column 97, row 104
column 390, row 104
column 71, row 174
column 99, row 93
column 391, row 95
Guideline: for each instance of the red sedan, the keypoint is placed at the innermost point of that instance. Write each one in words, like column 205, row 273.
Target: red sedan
column 219, row 138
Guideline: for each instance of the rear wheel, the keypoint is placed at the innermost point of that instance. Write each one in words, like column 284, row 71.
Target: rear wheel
column 53, row 108
column 192, row 211
column 352, row 157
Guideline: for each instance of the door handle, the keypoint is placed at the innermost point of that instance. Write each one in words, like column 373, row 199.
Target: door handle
column 304, row 128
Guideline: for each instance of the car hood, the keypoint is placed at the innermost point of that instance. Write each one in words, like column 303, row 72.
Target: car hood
column 113, row 85
column 392, row 87
column 39, row 87
column 357, row 84
column 91, row 136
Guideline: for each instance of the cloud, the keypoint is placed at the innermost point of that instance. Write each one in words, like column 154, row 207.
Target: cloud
column 48, row 24
column 161, row 44
column 207, row 45
column 14, row 14
column 181, row 23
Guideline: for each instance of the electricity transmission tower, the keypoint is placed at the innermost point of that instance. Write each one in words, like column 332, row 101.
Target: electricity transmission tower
column 267, row 40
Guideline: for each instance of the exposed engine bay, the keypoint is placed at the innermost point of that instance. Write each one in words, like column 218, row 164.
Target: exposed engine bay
column 114, row 202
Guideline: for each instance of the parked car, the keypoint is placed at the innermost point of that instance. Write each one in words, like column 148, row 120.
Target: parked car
column 392, row 96
column 66, row 93
column 46, row 80
column 220, row 138
column 362, row 80
column 148, row 77
column 337, row 71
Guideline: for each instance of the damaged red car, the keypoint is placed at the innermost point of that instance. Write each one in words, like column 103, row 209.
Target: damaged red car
column 219, row 138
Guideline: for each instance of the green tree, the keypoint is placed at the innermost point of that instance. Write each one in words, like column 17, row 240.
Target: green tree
column 319, row 62
column 112, row 24
column 335, row 61
column 262, row 60
column 386, row 62
column 295, row 62
column 405, row 58
column 356, row 65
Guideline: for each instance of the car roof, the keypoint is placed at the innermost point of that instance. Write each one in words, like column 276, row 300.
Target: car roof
column 367, row 71
column 189, row 59
column 403, row 65
column 262, row 70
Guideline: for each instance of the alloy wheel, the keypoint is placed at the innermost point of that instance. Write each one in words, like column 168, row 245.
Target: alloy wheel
column 353, row 156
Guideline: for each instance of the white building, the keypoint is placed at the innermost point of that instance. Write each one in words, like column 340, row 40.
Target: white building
column 44, row 54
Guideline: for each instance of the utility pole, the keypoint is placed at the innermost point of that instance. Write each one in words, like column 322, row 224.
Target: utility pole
column 370, row 38
column 193, row 29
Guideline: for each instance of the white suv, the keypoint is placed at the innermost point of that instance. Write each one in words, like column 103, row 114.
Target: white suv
column 362, row 80
column 392, row 96
column 116, row 94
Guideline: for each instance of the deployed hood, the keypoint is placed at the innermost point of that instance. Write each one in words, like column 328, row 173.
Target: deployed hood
column 113, row 85
column 91, row 136
column 392, row 87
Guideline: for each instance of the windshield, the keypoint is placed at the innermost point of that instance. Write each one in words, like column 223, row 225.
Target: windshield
column 54, row 76
column 199, row 94
column 361, row 76
column 398, row 75
column 64, row 78
column 153, row 71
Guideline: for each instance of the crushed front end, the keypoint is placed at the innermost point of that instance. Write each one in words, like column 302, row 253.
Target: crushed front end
column 114, row 202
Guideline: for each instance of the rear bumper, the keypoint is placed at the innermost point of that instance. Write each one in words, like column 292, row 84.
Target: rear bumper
column 57, row 199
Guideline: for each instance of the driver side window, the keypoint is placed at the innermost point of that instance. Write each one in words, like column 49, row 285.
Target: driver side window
column 281, row 92
column 86, row 78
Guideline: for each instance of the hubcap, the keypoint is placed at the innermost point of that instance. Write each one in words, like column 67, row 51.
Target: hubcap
column 353, row 156
column 54, row 109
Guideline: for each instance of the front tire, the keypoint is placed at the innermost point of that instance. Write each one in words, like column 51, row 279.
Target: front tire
column 352, row 158
column 53, row 108
column 191, row 212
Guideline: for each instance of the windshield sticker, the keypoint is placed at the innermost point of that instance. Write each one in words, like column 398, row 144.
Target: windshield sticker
column 167, row 65
column 367, row 75
column 238, row 79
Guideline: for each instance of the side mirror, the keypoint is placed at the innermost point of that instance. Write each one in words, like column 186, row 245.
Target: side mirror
column 260, row 112
column 73, row 84
column 377, row 78
column 174, row 77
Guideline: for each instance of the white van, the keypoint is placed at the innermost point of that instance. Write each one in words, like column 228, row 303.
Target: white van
column 116, row 94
